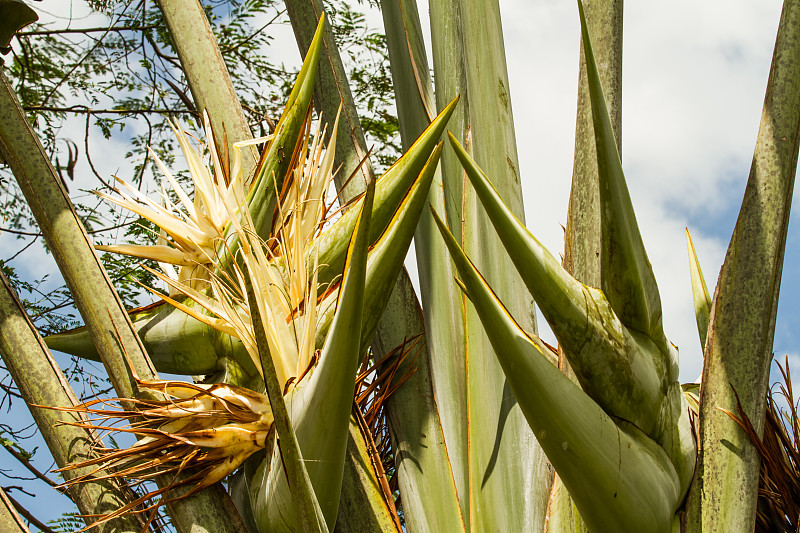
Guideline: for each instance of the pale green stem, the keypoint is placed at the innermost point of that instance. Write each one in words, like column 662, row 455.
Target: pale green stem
column 739, row 344
column 451, row 80
column 201, row 61
column 500, row 495
column 449, row 371
column 332, row 89
column 425, row 466
column 430, row 501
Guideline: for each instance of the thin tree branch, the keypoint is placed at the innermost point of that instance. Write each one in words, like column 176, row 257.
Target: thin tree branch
column 85, row 30
column 22, row 250
column 182, row 95
column 80, row 62
column 79, row 109
column 17, row 487
column 35, row 234
column 27, row 464
column 251, row 36
column 89, row 157
column 28, row 516
column 173, row 60
column 9, row 391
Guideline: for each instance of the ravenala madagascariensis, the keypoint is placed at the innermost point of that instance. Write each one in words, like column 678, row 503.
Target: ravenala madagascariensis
column 265, row 285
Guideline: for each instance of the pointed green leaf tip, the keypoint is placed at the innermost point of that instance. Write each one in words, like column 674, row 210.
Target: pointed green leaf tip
column 620, row 479
column 621, row 370
column 702, row 300
column 559, row 296
column 277, row 156
column 386, row 256
column 14, row 15
column 319, row 406
column 627, row 276
column 626, row 372
column 390, row 190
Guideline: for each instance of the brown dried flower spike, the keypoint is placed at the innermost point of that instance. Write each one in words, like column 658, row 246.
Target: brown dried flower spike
column 202, row 431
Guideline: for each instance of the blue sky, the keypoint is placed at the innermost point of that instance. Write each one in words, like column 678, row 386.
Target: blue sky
column 694, row 77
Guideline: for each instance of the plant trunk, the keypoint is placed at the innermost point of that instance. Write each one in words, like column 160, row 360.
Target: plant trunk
column 738, row 349
column 496, row 494
column 425, row 465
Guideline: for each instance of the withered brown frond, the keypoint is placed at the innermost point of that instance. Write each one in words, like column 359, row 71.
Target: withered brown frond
column 778, row 507
column 375, row 383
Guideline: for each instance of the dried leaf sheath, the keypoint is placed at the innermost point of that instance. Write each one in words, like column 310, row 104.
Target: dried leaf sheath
column 377, row 380
column 206, row 431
